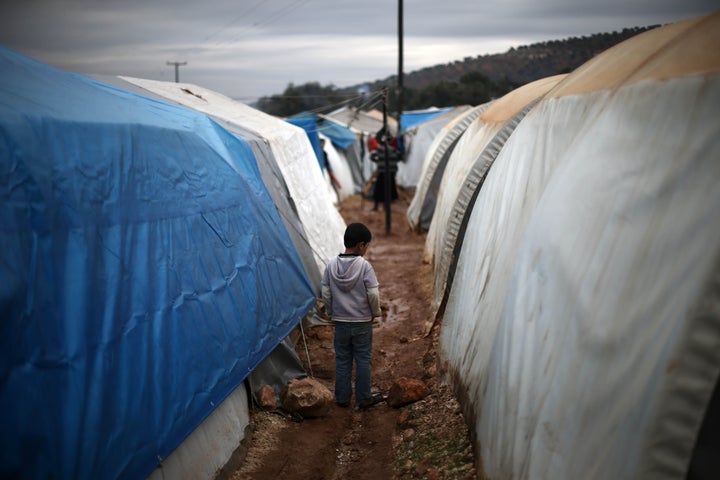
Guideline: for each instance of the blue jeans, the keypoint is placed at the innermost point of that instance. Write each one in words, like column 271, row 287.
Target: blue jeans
column 352, row 341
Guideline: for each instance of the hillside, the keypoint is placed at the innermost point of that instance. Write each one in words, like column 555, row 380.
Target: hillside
column 473, row 80
column 519, row 65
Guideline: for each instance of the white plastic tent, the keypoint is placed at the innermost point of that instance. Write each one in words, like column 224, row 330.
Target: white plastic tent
column 323, row 224
column 421, row 208
column 340, row 169
column 466, row 168
column 582, row 328
column 418, row 140
column 362, row 121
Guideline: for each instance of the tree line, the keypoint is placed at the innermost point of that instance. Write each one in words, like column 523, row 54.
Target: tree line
column 471, row 81
column 472, row 88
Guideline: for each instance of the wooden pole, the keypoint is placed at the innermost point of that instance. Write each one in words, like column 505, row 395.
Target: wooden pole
column 388, row 175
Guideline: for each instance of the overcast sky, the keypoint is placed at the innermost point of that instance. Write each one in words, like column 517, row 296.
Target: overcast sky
column 250, row 48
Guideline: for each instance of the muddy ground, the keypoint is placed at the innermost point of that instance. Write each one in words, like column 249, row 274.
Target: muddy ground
column 427, row 439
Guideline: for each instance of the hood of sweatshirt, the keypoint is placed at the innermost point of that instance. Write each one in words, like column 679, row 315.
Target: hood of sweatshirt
column 347, row 271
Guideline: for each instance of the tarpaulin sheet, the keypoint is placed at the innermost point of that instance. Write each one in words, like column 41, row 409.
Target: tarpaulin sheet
column 341, row 136
column 409, row 120
column 310, row 127
column 309, row 192
column 576, row 320
column 438, row 152
column 418, row 143
column 339, row 174
column 144, row 273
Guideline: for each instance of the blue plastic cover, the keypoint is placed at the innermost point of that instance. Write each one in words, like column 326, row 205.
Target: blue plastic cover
column 310, row 127
column 409, row 120
column 340, row 136
column 144, row 272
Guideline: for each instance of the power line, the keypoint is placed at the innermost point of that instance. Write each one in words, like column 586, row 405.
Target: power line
column 273, row 17
column 240, row 16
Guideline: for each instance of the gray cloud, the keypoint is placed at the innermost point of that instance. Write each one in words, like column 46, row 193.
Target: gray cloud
column 256, row 47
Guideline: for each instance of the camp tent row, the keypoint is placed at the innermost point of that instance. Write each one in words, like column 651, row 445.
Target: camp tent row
column 581, row 329
column 419, row 129
column 421, row 208
column 346, row 131
column 464, row 172
column 154, row 257
column 363, row 125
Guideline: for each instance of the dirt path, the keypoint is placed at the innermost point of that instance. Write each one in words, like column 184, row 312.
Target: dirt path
column 425, row 440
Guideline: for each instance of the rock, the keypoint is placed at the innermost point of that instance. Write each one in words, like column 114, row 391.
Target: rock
column 307, row 397
column 405, row 391
column 422, row 468
column 403, row 419
column 266, row 397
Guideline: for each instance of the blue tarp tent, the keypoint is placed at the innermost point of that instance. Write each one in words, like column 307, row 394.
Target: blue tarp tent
column 310, row 127
column 343, row 155
column 412, row 119
column 342, row 137
column 144, row 272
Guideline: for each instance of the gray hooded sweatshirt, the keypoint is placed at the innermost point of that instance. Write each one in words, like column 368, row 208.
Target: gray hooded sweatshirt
column 350, row 289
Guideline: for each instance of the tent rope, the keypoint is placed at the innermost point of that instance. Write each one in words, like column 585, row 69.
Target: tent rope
column 307, row 352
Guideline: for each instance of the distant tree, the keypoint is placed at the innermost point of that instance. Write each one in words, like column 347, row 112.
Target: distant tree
column 301, row 98
column 470, row 81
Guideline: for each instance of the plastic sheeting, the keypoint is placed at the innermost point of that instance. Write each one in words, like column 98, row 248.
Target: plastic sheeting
column 310, row 128
column 269, row 171
column 349, row 147
column 418, row 140
column 420, row 211
column 144, row 273
column 342, row 137
column 341, row 179
column 282, row 364
column 412, row 119
column 362, row 121
column 339, row 176
column 309, row 125
column 324, row 227
column 466, row 170
column 582, row 326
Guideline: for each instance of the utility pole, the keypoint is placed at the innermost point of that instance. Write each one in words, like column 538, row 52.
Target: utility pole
column 400, row 71
column 177, row 69
column 386, row 163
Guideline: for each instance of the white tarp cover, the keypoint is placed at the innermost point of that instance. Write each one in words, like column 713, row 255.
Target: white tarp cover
column 580, row 329
column 340, row 169
column 503, row 113
column 323, row 223
column 351, row 154
column 439, row 150
column 417, row 141
column 362, row 122
column 206, row 451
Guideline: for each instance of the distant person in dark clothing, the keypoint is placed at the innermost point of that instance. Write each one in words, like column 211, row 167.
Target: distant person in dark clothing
column 377, row 155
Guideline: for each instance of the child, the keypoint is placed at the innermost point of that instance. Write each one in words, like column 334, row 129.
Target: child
column 352, row 299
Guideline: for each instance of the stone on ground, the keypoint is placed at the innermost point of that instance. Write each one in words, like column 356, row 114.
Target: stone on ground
column 405, row 391
column 306, row 397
